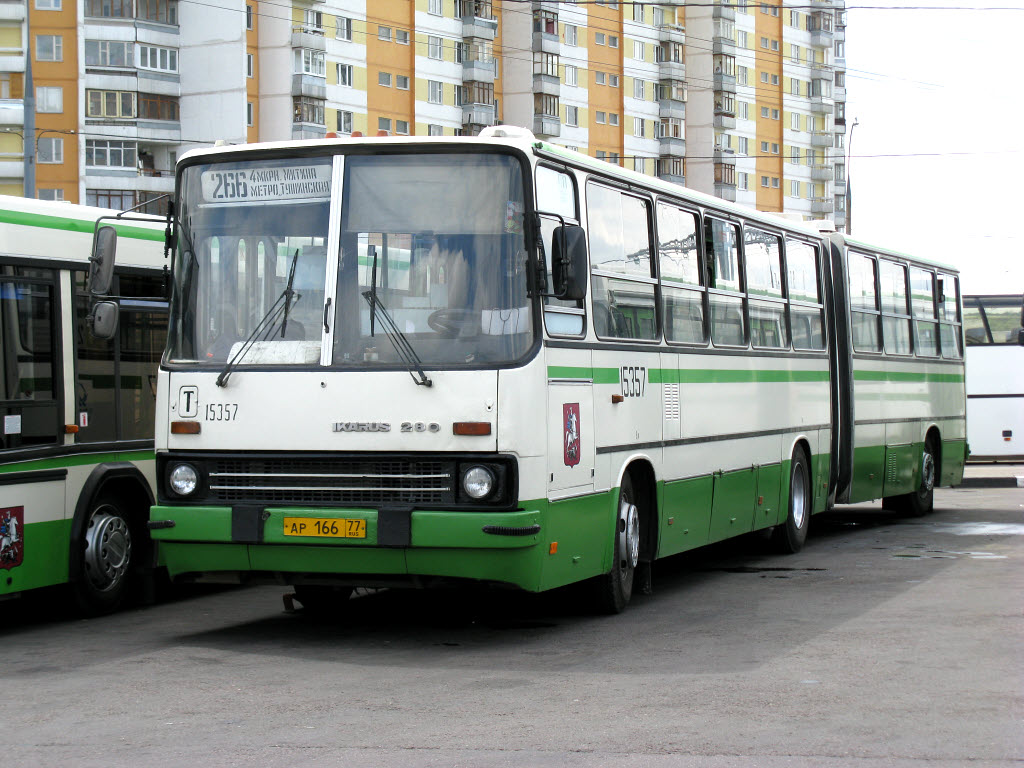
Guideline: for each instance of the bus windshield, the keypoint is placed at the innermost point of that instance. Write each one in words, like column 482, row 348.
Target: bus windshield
column 431, row 257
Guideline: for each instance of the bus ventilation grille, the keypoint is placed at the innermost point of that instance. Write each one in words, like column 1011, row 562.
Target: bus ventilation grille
column 332, row 482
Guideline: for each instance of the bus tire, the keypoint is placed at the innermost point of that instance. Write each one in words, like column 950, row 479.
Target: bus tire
column 613, row 590
column 321, row 599
column 789, row 537
column 921, row 501
column 108, row 554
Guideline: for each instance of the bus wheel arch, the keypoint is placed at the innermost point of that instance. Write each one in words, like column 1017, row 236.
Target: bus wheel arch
column 109, row 542
column 789, row 536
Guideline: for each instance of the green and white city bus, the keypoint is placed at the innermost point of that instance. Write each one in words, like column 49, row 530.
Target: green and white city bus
column 408, row 361
column 76, row 452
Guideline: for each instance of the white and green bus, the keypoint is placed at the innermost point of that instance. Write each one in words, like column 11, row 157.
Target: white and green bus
column 408, row 361
column 76, row 452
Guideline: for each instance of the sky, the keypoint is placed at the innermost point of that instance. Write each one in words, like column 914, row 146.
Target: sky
column 936, row 161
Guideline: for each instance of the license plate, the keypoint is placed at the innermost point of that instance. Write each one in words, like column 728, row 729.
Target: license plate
column 325, row 527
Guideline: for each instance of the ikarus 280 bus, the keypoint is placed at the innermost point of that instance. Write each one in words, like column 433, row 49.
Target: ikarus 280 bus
column 409, row 361
column 76, row 451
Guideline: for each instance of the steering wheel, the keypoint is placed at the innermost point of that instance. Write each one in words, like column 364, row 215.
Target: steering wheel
column 450, row 322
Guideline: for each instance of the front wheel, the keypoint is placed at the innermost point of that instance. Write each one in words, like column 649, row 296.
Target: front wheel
column 789, row 537
column 614, row 589
column 107, row 551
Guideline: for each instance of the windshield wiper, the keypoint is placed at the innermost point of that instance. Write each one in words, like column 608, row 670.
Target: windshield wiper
column 278, row 310
column 398, row 340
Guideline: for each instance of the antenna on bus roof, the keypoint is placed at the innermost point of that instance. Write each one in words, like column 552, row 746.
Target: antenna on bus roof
column 507, row 132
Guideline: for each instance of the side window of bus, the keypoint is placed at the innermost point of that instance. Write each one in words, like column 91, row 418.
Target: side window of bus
column 28, row 399
column 556, row 194
column 892, row 278
column 806, row 314
column 679, row 256
column 762, row 252
column 115, row 380
column 922, row 298
column 949, row 320
column 620, row 256
column 725, row 298
column 864, row 303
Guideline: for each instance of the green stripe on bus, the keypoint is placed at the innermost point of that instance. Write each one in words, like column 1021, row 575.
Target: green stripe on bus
column 599, row 375
column 693, row 376
column 953, row 378
column 75, row 225
column 76, row 460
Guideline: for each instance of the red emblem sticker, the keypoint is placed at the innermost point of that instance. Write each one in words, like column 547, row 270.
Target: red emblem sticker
column 571, row 422
column 12, row 538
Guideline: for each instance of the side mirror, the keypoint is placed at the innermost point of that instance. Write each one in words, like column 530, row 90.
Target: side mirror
column 101, row 263
column 569, row 262
column 104, row 319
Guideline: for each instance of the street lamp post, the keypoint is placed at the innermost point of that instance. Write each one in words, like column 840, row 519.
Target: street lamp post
column 849, row 191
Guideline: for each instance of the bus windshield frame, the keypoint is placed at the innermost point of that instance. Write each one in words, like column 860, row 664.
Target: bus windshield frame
column 347, row 258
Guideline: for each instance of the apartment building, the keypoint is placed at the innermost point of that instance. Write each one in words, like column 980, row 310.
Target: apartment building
column 744, row 101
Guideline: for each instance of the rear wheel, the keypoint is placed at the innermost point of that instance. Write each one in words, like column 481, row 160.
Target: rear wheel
column 614, row 589
column 108, row 549
column 921, row 501
column 790, row 536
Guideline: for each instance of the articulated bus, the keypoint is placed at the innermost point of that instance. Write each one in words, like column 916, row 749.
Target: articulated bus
column 76, row 452
column 995, row 377
column 405, row 361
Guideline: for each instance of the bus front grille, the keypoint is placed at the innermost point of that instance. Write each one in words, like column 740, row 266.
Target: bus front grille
column 332, row 482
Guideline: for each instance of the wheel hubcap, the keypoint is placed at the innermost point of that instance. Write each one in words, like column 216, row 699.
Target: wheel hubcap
column 927, row 472
column 798, row 498
column 629, row 534
column 108, row 549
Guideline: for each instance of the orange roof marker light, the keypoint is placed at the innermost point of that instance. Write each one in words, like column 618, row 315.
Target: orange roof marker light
column 472, row 428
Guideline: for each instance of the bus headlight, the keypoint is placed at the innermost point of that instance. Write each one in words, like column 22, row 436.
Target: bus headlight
column 183, row 479
column 478, row 482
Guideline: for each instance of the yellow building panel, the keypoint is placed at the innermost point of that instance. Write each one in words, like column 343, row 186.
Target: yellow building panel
column 17, row 190
column 10, row 37
column 11, row 144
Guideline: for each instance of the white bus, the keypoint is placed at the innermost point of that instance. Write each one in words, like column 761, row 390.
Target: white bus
column 995, row 377
column 408, row 361
column 76, row 451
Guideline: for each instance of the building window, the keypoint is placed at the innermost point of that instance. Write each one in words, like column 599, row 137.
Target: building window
column 639, row 49
column 435, row 91
column 314, row 22
column 160, row 11
column 154, row 106
column 765, row 112
column 599, row 38
column 51, row 194
column 110, row 104
column 49, row 99
column 402, row 36
column 571, row 75
column 613, row 41
column 638, row 88
column 435, row 49
column 110, row 154
column 344, row 121
column 309, row 62
column 384, row 79
column 434, row 7
column 108, row 53
column 384, row 33
column 764, row 147
column 345, row 75
column 570, row 34
column 743, row 145
column 402, row 127
column 249, row 114
column 250, row 65
column 160, row 59
column 402, row 82
column 384, row 124
column 435, row 130
column 49, row 48
column 248, row 17
column 545, row 64
column 794, row 155
column 764, row 77
column 670, row 128
column 600, row 117
column 743, row 181
column 600, row 78
column 343, row 28
column 613, row 118
column 48, row 5
column 109, row 9
column 545, row 105
column 50, row 149
column 306, row 109
column 775, row 182
column 764, row 181
column 639, row 127
column 572, row 116
column 775, row 114
column 613, row 80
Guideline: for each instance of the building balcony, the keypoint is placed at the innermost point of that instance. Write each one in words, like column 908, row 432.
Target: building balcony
column 673, row 178
column 478, row 71
column 547, row 84
column 12, row 60
column 822, row 105
column 672, row 33
column 547, row 126
column 725, row 120
column 821, row 139
column 822, row 205
column 477, row 114
column 840, row 125
column 311, row 38
column 725, row 83
column 821, row 38
column 839, row 63
column 723, row 11
column 309, row 85
column 724, row 45
column 822, row 172
column 545, row 42
column 672, row 108
column 725, row 157
column 12, row 11
column 821, row 5
column 670, row 146
column 725, row 191
column 12, row 167
column 12, row 112
column 308, row 131
column 474, row 26
column 672, row 70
